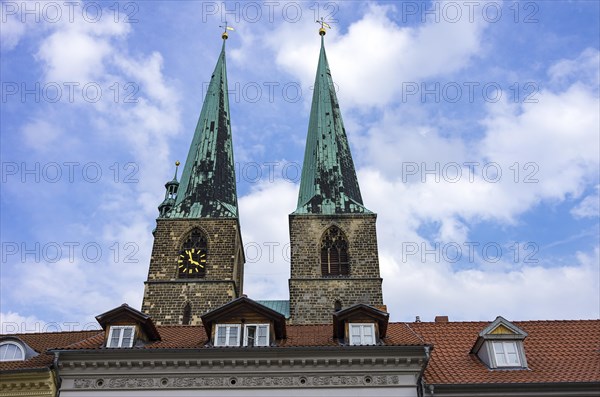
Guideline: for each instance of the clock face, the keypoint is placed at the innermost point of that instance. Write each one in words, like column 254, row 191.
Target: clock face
column 192, row 262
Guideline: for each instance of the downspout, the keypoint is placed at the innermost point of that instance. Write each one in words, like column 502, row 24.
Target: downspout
column 421, row 381
column 58, row 379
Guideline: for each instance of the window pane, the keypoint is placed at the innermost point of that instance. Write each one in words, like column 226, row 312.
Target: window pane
column 114, row 340
column 233, row 336
column 251, row 333
column 10, row 352
column 498, row 348
column 510, row 347
column 513, row 359
column 511, row 352
column 355, row 337
column 127, row 337
column 368, row 338
column 263, row 335
column 221, row 335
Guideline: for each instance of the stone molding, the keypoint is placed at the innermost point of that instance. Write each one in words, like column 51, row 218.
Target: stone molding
column 235, row 381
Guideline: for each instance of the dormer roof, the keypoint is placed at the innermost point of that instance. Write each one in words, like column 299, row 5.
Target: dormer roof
column 241, row 308
column 499, row 329
column 359, row 311
column 125, row 314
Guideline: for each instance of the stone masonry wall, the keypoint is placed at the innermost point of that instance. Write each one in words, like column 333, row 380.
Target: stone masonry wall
column 165, row 294
column 312, row 297
column 313, row 301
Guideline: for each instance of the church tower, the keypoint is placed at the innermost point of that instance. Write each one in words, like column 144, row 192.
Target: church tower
column 334, row 257
column 197, row 261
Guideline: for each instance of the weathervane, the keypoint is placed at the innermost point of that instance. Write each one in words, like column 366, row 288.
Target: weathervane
column 324, row 25
column 225, row 27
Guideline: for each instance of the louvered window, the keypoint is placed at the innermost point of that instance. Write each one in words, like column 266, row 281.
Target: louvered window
column 334, row 253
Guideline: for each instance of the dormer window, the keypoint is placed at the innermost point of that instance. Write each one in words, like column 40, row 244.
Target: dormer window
column 230, row 324
column 506, row 354
column 227, row 335
column 121, row 336
column 362, row 334
column 500, row 345
column 253, row 335
column 11, row 351
column 360, row 325
column 256, row 335
column 125, row 327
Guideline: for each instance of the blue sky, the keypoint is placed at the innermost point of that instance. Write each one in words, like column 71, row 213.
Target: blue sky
column 474, row 128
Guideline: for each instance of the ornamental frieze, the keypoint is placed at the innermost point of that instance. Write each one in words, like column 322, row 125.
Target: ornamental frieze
column 237, row 382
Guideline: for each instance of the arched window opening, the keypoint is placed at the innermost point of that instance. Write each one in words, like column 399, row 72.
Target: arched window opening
column 337, row 306
column 192, row 259
column 334, row 253
column 11, row 351
column 187, row 314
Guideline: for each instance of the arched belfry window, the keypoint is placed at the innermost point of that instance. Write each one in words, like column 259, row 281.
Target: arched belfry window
column 334, row 253
column 192, row 259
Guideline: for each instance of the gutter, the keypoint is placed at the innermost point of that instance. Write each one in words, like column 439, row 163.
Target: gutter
column 589, row 388
column 420, row 380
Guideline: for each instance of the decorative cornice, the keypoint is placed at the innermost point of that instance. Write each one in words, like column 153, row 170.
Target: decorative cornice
column 398, row 363
column 27, row 384
column 244, row 381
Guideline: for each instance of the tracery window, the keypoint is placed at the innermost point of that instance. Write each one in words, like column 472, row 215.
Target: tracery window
column 334, row 253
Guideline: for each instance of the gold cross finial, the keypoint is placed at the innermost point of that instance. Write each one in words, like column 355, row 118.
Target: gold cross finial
column 225, row 27
column 324, row 25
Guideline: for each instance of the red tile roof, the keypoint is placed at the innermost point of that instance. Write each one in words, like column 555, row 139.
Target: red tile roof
column 190, row 337
column 556, row 351
column 41, row 342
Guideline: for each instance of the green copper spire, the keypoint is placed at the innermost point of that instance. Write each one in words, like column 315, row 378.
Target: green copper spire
column 329, row 184
column 207, row 187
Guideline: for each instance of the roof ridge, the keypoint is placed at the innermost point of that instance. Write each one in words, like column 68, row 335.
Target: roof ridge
column 413, row 332
column 49, row 333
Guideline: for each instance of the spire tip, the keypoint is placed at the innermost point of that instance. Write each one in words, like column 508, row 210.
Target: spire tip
column 225, row 27
column 322, row 31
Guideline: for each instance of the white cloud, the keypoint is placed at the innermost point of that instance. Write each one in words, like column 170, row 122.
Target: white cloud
column 12, row 29
column 42, row 135
column 263, row 217
column 14, row 323
column 98, row 52
column 585, row 67
column 378, row 55
column 545, row 151
column 589, row 207
column 428, row 289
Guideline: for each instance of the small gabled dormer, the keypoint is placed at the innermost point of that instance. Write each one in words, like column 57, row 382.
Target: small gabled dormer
column 360, row 325
column 125, row 327
column 500, row 345
column 14, row 349
column 244, row 322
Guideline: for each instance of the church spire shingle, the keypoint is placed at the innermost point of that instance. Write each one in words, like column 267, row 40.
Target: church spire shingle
column 207, row 188
column 329, row 184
